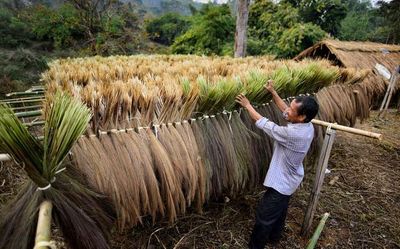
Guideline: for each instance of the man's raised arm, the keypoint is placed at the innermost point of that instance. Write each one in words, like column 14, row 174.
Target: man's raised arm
column 277, row 99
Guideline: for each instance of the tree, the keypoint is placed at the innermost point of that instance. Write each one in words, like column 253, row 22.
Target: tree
column 13, row 30
column 390, row 13
column 166, row 28
column 276, row 28
column 325, row 13
column 297, row 38
column 12, row 5
column 359, row 23
column 212, row 30
column 61, row 26
column 91, row 13
column 241, row 27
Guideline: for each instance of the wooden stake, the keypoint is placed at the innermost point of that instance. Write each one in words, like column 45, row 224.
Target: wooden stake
column 317, row 233
column 43, row 231
column 389, row 92
column 319, row 179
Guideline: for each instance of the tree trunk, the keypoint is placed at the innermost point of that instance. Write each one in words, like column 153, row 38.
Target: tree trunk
column 241, row 27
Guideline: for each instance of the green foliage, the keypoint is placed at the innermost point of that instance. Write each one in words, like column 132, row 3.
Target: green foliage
column 365, row 22
column 359, row 22
column 62, row 26
column 390, row 12
column 113, row 25
column 325, row 13
column 213, row 27
column 276, row 28
column 175, row 6
column 20, row 68
column 13, row 31
column 297, row 38
column 112, row 29
column 166, row 28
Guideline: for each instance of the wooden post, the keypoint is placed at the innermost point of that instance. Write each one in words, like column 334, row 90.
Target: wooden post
column 319, row 179
column 43, row 230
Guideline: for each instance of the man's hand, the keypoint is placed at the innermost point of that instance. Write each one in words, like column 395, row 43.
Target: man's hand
column 243, row 101
column 269, row 86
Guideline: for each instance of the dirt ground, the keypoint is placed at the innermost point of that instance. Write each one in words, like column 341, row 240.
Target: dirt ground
column 362, row 195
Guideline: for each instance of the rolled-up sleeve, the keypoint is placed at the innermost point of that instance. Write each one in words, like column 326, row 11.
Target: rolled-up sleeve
column 278, row 133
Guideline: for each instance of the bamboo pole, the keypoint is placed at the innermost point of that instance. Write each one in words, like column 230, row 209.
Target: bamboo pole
column 317, row 233
column 43, row 231
column 21, row 98
column 22, row 101
column 26, row 107
column 24, row 93
column 35, row 123
column 28, row 114
column 347, row 129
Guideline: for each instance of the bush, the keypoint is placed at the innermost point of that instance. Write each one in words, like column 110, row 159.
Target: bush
column 20, row 68
column 166, row 28
column 13, row 31
column 62, row 26
column 297, row 38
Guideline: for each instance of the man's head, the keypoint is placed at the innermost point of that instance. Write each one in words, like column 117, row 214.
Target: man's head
column 302, row 109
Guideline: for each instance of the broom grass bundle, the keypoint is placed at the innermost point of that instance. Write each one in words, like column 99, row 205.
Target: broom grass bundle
column 231, row 164
column 135, row 192
column 188, row 136
column 185, row 171
column 239, row 153
column 81, row 214
column 142, row 161
column 242, row 139
column 205, row 160
column 221, row 155
column 170, row 188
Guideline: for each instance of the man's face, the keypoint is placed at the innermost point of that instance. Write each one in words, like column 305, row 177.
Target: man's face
column 292, row 114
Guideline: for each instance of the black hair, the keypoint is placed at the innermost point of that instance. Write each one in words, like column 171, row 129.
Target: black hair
column 309, row 107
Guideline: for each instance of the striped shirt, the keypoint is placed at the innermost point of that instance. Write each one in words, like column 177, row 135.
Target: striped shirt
column 291, row 144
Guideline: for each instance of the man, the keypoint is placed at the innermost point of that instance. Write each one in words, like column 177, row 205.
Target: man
column 285, row 172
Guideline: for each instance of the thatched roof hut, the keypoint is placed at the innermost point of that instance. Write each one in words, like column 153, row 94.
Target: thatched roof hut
column 360, row 55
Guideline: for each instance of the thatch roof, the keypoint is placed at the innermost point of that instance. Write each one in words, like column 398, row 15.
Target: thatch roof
column 362, row 55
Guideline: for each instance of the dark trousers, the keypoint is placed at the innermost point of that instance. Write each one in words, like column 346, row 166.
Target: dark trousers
column 270, row 219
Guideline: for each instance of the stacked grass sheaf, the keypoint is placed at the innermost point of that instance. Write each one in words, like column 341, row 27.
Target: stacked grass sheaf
column 80, row 213
column 166, row 134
